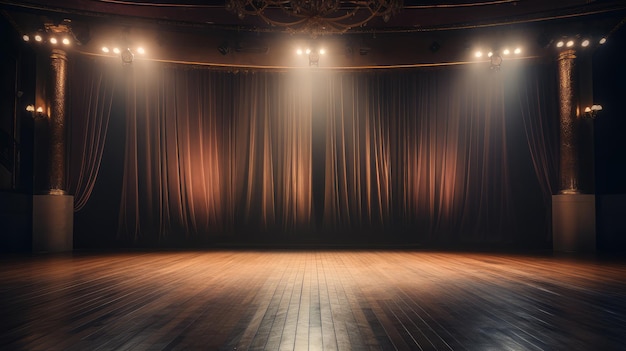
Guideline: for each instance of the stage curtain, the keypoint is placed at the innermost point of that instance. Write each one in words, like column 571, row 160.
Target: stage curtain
column 417, row 151
column 415, row 155
column 93, row 86
column 535, row 104
column 211, row 152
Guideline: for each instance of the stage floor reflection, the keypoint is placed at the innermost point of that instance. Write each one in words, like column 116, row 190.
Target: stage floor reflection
column 311, row 299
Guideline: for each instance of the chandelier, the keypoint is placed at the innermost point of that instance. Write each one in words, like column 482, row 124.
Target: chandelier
column 316, row 16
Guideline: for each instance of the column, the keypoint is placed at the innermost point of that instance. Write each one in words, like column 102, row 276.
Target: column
column 573, row 213
column 569, row 170
column 53, row 210
column 57, row 150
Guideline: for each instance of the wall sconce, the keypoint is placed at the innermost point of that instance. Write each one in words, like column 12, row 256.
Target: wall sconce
column 37, row 113
column 592, row 111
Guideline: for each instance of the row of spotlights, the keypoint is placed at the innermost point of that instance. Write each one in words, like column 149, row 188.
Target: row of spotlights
column 505, row 52
column 52, row 39
column 309, row 51
column 117, row 50
column 584, row 43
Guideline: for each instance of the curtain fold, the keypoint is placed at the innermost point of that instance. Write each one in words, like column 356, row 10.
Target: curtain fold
column 419, row 154
column 90, row 110
column 540, row 121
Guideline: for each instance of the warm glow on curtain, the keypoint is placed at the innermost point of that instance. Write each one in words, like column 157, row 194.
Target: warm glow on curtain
column 425, row 147
column 210, row 152
column 422, row 154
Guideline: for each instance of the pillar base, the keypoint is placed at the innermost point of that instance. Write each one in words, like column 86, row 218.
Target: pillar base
column 53, row 223
column 574, row 223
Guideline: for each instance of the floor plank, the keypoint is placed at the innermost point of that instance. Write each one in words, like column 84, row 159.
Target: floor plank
column 311, row 300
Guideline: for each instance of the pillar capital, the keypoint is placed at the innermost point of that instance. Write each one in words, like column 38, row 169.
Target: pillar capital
column 568, row 54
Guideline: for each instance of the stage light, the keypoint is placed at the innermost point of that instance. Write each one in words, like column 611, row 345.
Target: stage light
column 30, row 108
column 517, row 51
column 105, row 49
column 496, row 62
column 570, row 43
column 602, row 41
column 506, row 52
column 314, row 59
column 585, row 43
column 127, row 56
column 38, row 38
column 66, row 41
column 53, row 40
column 560, row 44
column 26, row 37
column 478, row 54
column 490, row 54
column 141, row 51
column 224, row 48
column 308, row 51
column 322, row 51
column 39, row 109
column 299, row 52
column 116, row 50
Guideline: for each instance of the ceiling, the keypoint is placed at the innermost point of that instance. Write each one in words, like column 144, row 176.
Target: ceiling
column 422, row 33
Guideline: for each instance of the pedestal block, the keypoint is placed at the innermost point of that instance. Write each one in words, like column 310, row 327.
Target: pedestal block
column 574, row 223
column 53, row 223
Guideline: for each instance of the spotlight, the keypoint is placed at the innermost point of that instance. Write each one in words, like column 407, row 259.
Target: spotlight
column 299, row 52
column 66, row 41
column 490, row 54
column 506, row 52
column 38, row 38
column 517, row 51
column 585, row 43
column 308, row 51
column 26, row 37
column 496, row 62
column 224, row 48
column 322, row 51
column 105, row 49
column 53, row 40
column 40, row 109
column 30, row 108
column 141, row 51
column 560, row 44
column 602, row 41
column 116, row 50
column 314, row 59
column 478, row 54
column 570, row 43
column 127, row 57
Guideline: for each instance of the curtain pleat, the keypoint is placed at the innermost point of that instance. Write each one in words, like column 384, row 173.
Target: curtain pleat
column 423, row 153
column 90, row 111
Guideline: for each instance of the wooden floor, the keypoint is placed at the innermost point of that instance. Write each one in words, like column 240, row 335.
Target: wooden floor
column 315, row 300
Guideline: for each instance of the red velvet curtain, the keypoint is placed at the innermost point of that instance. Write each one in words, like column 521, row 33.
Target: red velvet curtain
column 423, row 154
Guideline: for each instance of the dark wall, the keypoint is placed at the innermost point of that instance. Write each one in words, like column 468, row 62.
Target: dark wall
column 609, row 87
column 16, row 140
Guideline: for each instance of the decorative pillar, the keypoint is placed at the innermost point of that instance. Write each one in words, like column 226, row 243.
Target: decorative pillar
column 58, row 90
column 569, row 169
column 573, row 213
column 53, row 211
